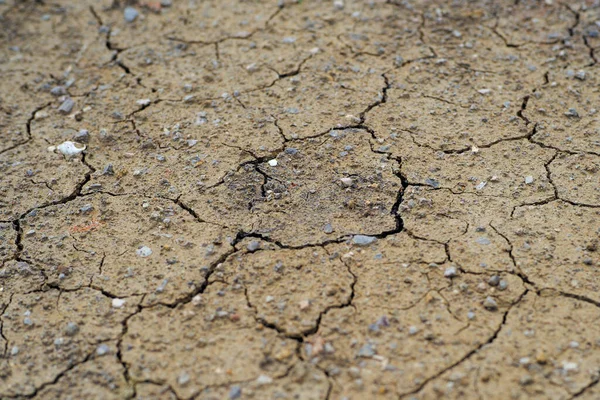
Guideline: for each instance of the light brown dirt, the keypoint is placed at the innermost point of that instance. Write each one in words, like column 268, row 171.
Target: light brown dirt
column 300, row 199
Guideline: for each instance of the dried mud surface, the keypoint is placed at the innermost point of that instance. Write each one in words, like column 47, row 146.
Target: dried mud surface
column 349, row 199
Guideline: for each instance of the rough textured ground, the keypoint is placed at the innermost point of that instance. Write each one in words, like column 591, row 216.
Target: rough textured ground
column 300, row 199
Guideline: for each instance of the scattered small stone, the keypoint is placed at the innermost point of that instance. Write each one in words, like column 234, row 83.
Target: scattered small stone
column 494, row 280
column 570, row 366
column 183, row 379
column 572, row 113
column 580, row 75
column 413, row 330
column 58, row 91
column 67, row 106
column 273, row 163
column 450, row 272
column 483, row 240
column 484, row 91
column 432, row 182
column 14, row 351
column 143, row 102
column 83, row 136
column 490, row 304
column 346, row 182
column 253, row 245
column 502, row 285
column 304, row 304
column 529, row 179
column 161, row 288
column 27, row 321
column 363, row 240
column 481, row 185
column 108, row 170
column 366, row 351
column 328, row 229
column 235, row 392
column 526, row 380
column 264, row 380
column 86, row 209
column 102, row 349
column 130, row 14
column 71, row 329
column 118, row 303
column 144, row 251
column 68, row 149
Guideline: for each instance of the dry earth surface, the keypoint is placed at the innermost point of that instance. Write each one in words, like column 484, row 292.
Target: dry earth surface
column 262, row 199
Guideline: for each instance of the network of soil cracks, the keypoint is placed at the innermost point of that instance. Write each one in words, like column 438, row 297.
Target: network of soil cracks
column 310, row 199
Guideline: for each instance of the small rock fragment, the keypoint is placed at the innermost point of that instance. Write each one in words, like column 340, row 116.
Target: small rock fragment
column 264, row 380
column 366, row 351
column 494, row 280
column 118, row 303
column 67, row 106
column 346, row 182
column 144, row 251
column 102, row 349
column 130, row 14
column 68, row 149
column 363, row 240
column 253, row 245
column 83, row 136
column 572, row 113
column 490, row 304
column 235, row 392
column 580, row 75
column 450, row 272
column 71, row 329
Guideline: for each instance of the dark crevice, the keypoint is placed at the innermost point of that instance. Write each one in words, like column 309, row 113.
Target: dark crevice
column 27, row 128
column 527, row 136
column 517, row 270
column 591, row 50
column 523, row 107
column 313, row 330
column 18, row 239
column 470, row 353
column 124, row 330
column 5, row 351
column 223, row 39
column 579, row 297
column 55, row 380
column 589, row 386
column 572, row 28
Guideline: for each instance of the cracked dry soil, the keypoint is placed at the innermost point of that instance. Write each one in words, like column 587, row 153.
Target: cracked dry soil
column 347, row 199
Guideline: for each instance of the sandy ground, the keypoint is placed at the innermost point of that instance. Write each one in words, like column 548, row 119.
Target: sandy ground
column 252, row 199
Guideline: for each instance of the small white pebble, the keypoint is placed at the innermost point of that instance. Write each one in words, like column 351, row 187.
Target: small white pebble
column 118, row 303
column 144, row 251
